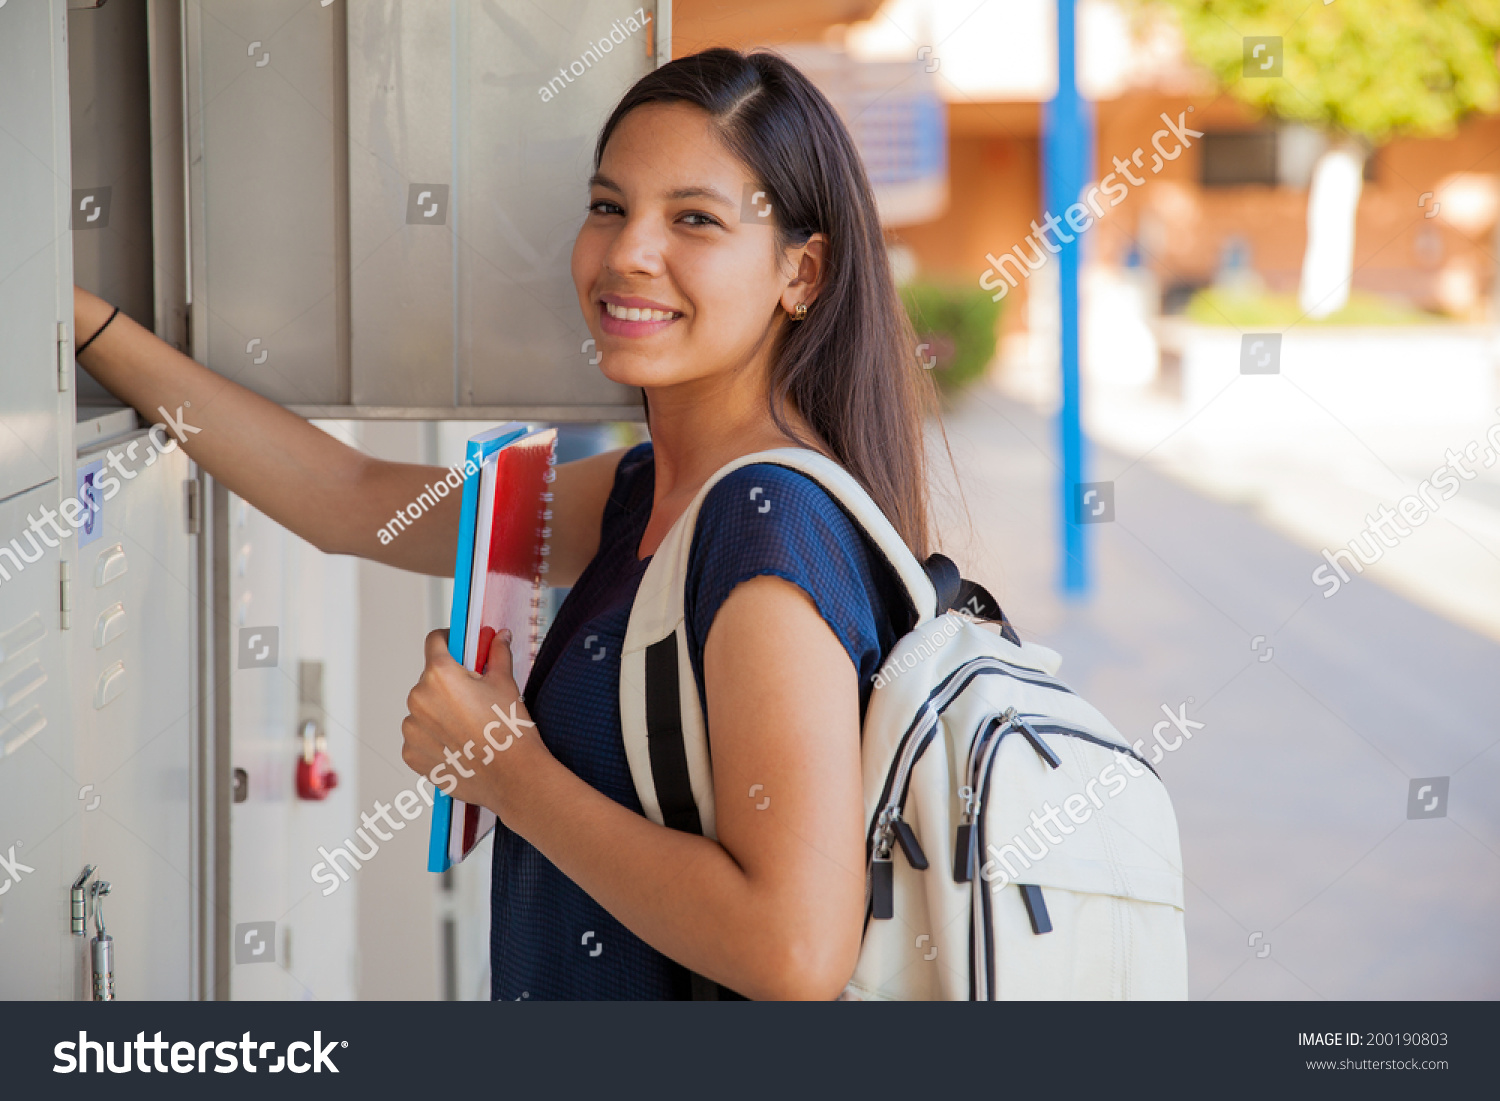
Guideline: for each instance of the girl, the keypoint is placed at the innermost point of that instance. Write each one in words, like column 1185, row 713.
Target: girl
column 731, row 264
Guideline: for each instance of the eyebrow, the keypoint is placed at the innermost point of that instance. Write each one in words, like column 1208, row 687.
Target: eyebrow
column 713, row 194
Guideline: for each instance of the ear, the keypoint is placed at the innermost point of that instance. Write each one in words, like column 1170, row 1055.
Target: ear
column 812, row 270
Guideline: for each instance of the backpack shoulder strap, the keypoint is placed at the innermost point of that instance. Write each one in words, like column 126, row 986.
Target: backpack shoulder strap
column 661, row 717
column 962, row 595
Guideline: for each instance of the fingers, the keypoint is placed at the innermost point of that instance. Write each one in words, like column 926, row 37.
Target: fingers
column 411, row 758
column 501, row 665
column 435, row 647
column 411, row 735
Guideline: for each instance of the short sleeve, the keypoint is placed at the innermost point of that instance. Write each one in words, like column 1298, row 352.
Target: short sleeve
column 769, row 520
column 633, row 484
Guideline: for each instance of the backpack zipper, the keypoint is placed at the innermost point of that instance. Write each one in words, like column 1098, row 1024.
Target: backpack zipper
column 1070, row 730
column 889, row 828
column 986, row 748
column 924, row 725
column 981, row 930
column 963, row 847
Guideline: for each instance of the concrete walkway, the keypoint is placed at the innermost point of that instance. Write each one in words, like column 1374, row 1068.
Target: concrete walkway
column 1293, row 802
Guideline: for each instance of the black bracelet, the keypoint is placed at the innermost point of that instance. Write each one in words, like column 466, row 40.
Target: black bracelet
column 95, row 337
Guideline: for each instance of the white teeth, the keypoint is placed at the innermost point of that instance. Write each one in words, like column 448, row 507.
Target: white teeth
column 634, row 314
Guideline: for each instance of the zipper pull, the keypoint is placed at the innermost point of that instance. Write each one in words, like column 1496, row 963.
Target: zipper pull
column 882, row 879
column 1036, row 908
column 907, row 838
column 882, row 889
column 963, row 854
column 1044, row 751
column 963, row 845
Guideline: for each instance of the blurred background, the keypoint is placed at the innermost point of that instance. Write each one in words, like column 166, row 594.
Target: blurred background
column 1286, row 323
column 1275, row 293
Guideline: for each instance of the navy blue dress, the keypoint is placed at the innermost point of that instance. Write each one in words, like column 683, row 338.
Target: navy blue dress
column 548, row 939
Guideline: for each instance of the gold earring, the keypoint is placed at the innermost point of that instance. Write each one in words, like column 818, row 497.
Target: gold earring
column 801, row 312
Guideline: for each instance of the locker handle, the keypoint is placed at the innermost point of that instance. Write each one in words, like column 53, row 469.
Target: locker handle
column 111, row 683
column 110, row 625
column 111, row 565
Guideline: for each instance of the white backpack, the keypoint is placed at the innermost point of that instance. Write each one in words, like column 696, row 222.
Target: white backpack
column 1017, row 847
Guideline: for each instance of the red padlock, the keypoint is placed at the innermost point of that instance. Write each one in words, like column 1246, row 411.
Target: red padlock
column 315, row 775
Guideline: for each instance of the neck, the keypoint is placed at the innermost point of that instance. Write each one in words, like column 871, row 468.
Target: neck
column 698, row 426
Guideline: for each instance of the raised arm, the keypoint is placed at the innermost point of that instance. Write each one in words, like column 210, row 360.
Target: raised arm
column 333, row 495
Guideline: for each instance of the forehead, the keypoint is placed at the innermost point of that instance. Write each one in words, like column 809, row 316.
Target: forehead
column 665, row 147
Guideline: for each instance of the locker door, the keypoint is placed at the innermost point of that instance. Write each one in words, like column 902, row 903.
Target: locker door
column 35, row 247
column 39, row 807
column 384, row 197
column 132, row 650
column 294, row 629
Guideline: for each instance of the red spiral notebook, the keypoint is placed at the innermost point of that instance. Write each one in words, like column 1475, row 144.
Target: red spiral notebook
column 499, row 580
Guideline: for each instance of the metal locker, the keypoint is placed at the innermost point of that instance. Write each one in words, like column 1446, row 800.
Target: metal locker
column 40, row 826
column 370, row 208
column 35, row 257
column 383, row 202
column 132, row 650
column 112, row 101
column 126, row 126
column 292, row 610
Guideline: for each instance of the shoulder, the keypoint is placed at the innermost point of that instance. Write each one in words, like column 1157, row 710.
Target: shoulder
column 770, row 504
column 766, row 519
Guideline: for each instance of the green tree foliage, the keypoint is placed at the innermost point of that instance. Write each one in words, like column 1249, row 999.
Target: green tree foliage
column 1370, row 68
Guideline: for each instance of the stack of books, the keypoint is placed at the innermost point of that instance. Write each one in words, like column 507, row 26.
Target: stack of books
column 499, row 581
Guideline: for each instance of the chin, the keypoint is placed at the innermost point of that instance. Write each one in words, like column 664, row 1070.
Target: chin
column 636, row 369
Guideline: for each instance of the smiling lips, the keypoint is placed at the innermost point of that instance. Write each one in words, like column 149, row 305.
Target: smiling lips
column 619, row 319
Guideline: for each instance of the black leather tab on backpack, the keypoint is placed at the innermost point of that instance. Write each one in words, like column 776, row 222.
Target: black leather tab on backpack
column 669, row 768
column 1036, row 908
column 960, row 594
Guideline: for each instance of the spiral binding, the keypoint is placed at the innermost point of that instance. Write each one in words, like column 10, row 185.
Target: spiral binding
column 543, row 548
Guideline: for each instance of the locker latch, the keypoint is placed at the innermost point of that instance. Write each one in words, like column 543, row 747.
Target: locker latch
column 315, row 775
column 87, row 900
column 80, row 913
column 102, row 947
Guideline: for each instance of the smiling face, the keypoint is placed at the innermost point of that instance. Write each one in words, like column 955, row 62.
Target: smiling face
column 676, row 289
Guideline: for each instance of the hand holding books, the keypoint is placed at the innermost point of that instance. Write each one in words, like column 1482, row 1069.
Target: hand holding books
column 461, row 721
column 498, row 580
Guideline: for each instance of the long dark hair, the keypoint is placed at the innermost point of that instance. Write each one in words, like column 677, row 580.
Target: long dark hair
column 851, row 367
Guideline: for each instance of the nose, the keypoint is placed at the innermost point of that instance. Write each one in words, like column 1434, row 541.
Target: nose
column 636, row 248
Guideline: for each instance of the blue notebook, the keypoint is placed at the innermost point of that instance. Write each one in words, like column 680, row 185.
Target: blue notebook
column 498, row 573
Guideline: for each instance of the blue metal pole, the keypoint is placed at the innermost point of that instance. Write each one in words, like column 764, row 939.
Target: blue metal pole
column 1067, row 145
